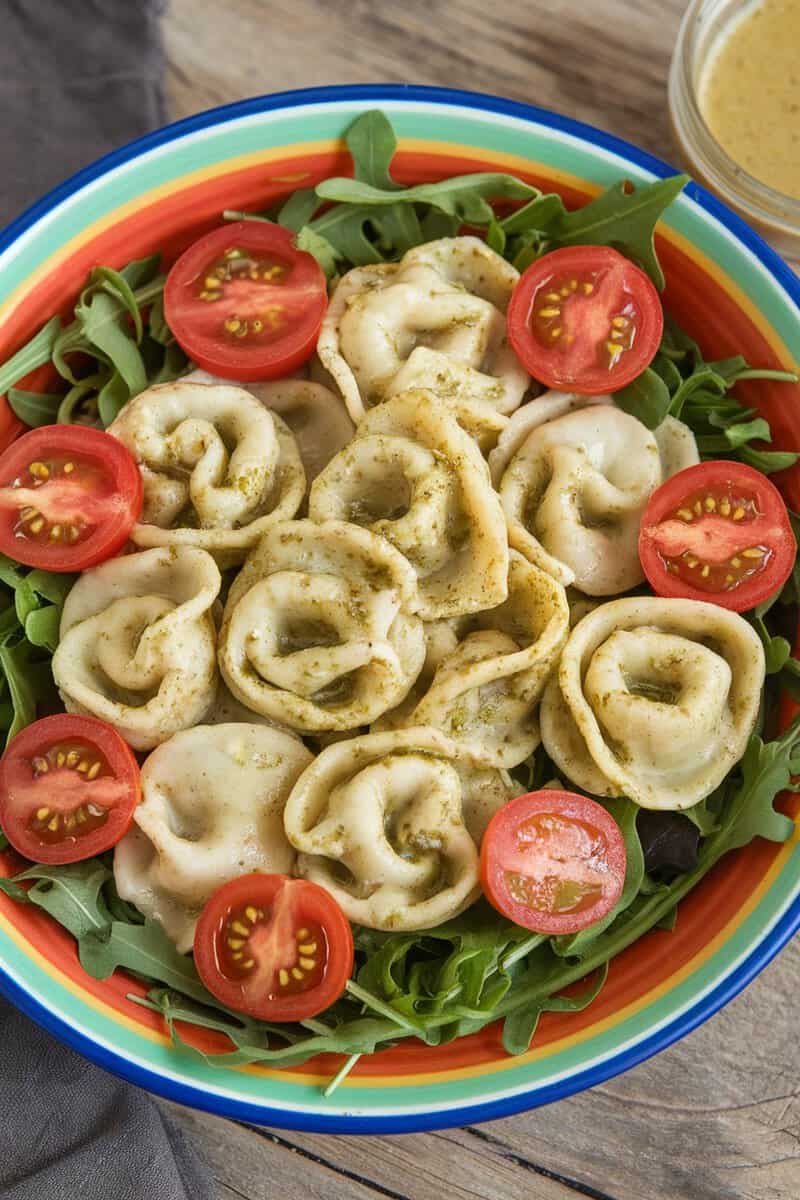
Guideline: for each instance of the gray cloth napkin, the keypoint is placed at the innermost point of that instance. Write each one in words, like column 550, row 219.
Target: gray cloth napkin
column 77, row 78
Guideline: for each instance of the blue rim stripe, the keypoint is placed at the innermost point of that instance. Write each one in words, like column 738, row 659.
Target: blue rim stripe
column 784, row 928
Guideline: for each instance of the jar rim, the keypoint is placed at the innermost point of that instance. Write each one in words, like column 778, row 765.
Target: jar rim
column 727, row 177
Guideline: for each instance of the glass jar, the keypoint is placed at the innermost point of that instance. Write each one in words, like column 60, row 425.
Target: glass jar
column 776, row 216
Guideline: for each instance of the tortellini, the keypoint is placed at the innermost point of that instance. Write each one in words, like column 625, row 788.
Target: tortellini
column 138, row 643
column 211, row 810
column 414, row 476
column 319, row 630
column 654, row 700
column 489, row 670
column 447, row 297
column 574, row 492
column 382, row 822
column 316, row 416
column 218, row 468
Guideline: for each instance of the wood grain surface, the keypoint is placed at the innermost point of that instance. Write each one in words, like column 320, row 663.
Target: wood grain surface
column 716, row 1117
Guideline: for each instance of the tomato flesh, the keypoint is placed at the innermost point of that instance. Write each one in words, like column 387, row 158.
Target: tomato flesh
column 718, row 531
column 68, row 789
column 276, row 948
column 68, row 497
column 245, row 303
column 553, row 861
column 585, row 318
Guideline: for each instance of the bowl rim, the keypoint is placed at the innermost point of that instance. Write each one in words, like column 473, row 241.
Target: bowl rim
column 775, row 938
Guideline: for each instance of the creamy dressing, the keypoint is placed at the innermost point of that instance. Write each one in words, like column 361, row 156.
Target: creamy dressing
column 750, row 94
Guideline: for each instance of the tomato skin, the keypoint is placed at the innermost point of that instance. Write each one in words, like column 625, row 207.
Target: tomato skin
column 585, row 319
column 295, row 918
column 256, row 323
column 84, row 481
column 736, row 551
column 32, row 781
column 564, row 835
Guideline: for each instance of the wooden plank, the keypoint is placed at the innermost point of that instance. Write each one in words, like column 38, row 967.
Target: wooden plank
column 457, row 1165
column 716, row 1117
column 603, row 61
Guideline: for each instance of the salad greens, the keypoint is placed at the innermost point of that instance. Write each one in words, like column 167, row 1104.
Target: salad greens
column 373, row 218
column 438, row 984
column 679, row 383
column 435, row 985
column 30, row 613
column 119, row 328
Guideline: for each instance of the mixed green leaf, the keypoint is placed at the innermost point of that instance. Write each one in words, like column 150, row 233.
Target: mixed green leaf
column 679, row 383
column 372, row 218
column 30, row 613
column 119, row 331
column 436, row 985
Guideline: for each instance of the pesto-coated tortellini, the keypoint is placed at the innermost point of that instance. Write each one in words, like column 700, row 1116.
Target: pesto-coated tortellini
column 211, row 810
column 138, row 643
column 316, row 416
column 654, row 700
column 489, row 670
column 218, row 468
column 575, row 488
column 383, row 823
column 319, row 631
column 412, row 475
column 448, row 297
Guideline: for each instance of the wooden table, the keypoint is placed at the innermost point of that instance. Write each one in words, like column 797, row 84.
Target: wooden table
column 716, row 1117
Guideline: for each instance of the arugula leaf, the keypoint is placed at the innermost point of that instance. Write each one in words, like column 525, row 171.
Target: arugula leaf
column 72, row 894
column 465, row 196
column 542, row 215
column 146, row 950
column 15, row 662
column 372, row 143
column 625, row 217
column 34, row 408
column 298, row 209
column 42, row 627
column 116, row 285
column 33, row 354
column 324, row 252
column 520, row 1026
column 646, row 398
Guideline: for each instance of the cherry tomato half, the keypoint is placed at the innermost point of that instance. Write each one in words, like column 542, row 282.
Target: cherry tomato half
column 720, row 532
column 69, row 496
column 245, row 303
column 68, row 788
column 273, row 947
column 585, row 319
column 553, row 861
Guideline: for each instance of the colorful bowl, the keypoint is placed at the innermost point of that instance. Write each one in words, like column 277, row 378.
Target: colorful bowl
column 731, row 292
